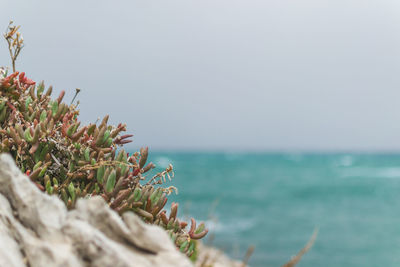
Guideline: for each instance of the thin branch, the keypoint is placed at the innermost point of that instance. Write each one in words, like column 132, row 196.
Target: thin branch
column 303, row 251
column 15, row 42
column 77, row 90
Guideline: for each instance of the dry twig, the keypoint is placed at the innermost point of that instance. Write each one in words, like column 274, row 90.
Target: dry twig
column 303, row 251
column 15, row 42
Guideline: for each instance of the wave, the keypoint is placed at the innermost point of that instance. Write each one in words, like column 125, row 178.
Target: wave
column 229, row 227
column 346, row 161
column 162, row 162
column 370, row 172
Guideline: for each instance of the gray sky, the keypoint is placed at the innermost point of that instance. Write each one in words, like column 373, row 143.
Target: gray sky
column 223, row 74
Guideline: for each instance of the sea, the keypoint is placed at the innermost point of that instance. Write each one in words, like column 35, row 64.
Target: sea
column 275, row 201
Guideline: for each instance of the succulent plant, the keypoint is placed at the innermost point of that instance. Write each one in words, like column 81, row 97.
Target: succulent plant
column 72, row 161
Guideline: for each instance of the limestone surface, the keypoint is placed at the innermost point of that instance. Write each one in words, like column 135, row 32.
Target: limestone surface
column 37, row 230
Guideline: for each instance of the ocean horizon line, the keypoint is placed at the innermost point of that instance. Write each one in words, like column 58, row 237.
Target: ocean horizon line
column 269, row 151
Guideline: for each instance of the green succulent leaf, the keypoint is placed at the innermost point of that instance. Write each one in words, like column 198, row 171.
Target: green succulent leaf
column 40, row 89
column 77, row 146
column 43, row 171
column 2, row 104
column 27, row 135
column 200, row 228
column 86, row 154
column 71, row 191
column 27, row 102
column 100, row 174
column 64, row 196
column 43, row 116
column 111, row 182
column 44, row 152
column 54, row 108
column 49, row 189
column 37, row 165
column 106, row 136
column 109, row 142
column 97, row 188
column 183, row 246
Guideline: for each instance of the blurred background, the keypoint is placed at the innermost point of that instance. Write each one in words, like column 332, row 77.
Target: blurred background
column 279, row 116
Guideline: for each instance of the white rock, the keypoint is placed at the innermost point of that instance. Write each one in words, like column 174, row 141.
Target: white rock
column 209, row 256
column 37, row 230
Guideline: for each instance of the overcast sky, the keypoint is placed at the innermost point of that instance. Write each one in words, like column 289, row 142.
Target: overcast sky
column 223, row 74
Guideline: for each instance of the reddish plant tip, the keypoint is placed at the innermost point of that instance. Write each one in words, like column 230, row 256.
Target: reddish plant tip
column 136, row 172
column 199, row 235
column 192, row 226
column 41, row 187
column 24, row 80
column 61, row 96
column 126, row 136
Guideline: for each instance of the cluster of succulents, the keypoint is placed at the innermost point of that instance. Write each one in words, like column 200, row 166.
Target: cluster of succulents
column 63, row 158
column 72, row 161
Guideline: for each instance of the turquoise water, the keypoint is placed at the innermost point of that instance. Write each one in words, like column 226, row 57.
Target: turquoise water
column 274, row 201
